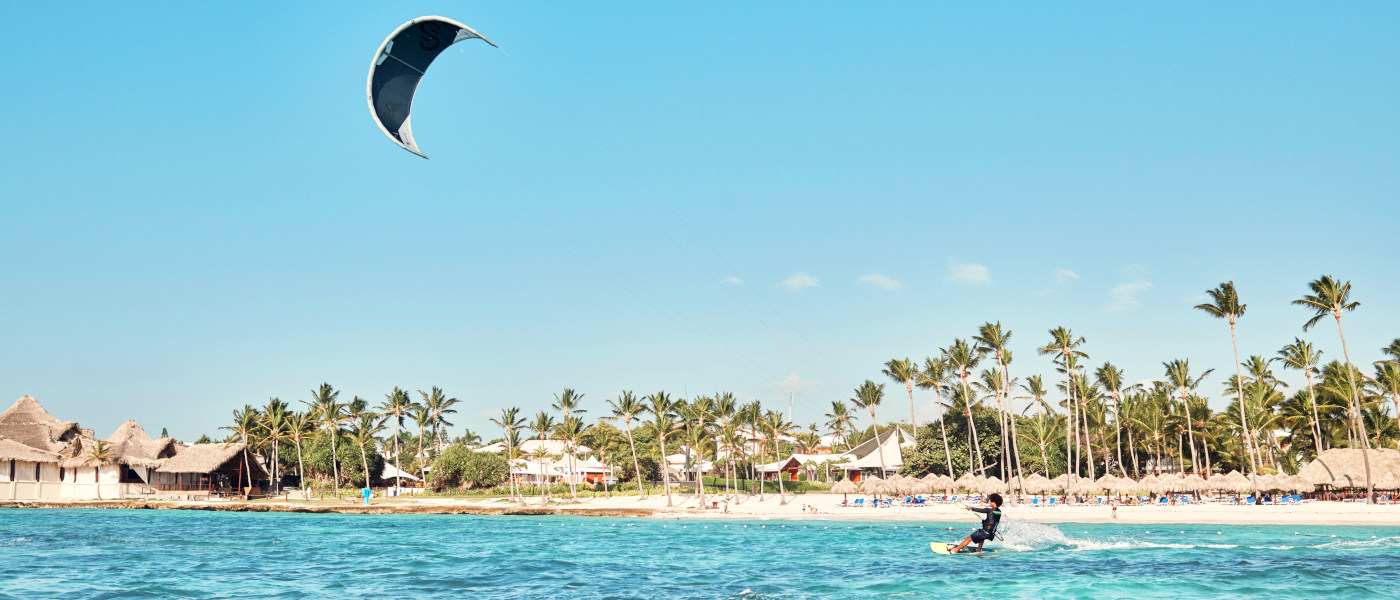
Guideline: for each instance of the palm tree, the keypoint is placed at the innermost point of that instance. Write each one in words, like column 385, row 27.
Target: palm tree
column 422, row 416
column 329, row 414
column 1178, row 374
column 992, row 338
column 245, row 426
column 510, row 421
column 626, row 407
column 1225, row 304
column 363, row 435
column 903, row 371
column 839, row 420
column 440, row 406
column 1063, row 345
column 732, row 441
column 1302, row 356
column 543, row 426
column 1331, row 297
column 396, row 407
column 570, row 429
column 696, row 413
column 275, row 428
column 1110, row 378
column 101, row 454
column 776, row 427
column 963, row 358
column 662, row 410
column 299, row 426
column 568, row 403
column 933, row 375
column 1388, row 382
column 868, row 396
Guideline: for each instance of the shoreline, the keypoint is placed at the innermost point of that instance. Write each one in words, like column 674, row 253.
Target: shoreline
column 686, row 508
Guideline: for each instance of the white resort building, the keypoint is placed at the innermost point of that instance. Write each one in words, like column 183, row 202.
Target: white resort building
column 43, row 458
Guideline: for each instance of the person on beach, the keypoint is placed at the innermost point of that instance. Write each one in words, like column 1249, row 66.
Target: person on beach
column 989, row 524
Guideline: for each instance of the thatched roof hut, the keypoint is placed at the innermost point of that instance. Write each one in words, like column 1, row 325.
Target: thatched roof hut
column 12, row 450
column 992, row 485
column 1344, row 467
column 1037, row 483
column 208, row 458
column 133, row 447
column 28, row 423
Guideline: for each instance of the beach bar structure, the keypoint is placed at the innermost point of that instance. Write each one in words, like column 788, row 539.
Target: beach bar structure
column 203, row 470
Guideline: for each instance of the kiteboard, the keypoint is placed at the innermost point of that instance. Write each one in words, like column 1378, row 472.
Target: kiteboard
column 942, row 548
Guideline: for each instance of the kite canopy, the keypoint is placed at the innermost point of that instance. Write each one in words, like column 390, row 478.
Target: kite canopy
column 399, row 65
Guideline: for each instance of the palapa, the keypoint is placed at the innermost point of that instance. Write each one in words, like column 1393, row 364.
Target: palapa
column 992, row 485
column 12, row 450
column 968, row 482
column 28, row 423
column 207, row 458
column 872, row 485
column 1344, row 467
column 843, row 487
column 131, row 446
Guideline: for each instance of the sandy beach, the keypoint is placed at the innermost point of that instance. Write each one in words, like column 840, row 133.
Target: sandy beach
column 686, row 506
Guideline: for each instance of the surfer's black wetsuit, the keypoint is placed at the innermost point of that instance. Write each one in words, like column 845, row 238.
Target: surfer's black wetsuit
column 989, row 524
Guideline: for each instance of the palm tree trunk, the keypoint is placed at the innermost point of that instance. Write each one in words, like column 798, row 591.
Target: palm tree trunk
column 1118, row 433
column 364, row 461
column 247, row 469
column 947, row 453
column 422, row 471
column 665, row 468
column 972, row 447
column 1132, row 451
column 335, row 469
column 1088, row 439
column 1316, row 424
column 782, row 493
column 1244, row 424
column 1190, row 437
column 301, row 469
column 398, row 473
column 879, row 448
column 1360, row 423
column 1070, row 426
column 641, row 483
column 909, row 385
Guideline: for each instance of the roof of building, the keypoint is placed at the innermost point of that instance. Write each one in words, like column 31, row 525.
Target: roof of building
column 28, row 423
column 207, row 458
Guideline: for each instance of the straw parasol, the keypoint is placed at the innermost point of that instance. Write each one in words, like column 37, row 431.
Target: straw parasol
column 992, row 485
column 1037, row 483
column 873, row 485
column 967, row 482
column 1063, row 482
column 1298, row 484
column 1107, row 483
column 843, row 487
column 1195, row 483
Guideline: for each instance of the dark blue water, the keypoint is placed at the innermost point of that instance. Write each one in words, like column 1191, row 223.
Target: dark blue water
column 89, row 553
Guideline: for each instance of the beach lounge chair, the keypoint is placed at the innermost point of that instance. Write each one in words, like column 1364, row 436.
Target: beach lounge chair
column 1052, row 502
column 859, row 502
column 1249, row 500
column 1034, row 501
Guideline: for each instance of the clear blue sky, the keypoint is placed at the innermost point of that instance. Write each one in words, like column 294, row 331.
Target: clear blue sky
column 198, row 212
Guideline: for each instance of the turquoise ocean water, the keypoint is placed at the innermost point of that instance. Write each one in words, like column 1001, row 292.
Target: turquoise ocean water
column 83, row 553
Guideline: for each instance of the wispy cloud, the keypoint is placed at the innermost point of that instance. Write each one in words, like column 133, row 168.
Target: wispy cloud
column 1061, row 278
column 970, row 273
column 881, row 281
column 731, row 280
column 800, row 281
column 1124, row 296
column 795, row 384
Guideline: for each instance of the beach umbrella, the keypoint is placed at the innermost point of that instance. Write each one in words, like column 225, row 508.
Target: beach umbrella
column 1107, row 483
column 1037, row 483
column 843, row 487
column 1195, row 483
column 873, row 485
column 968, row 482
column 1063, row 482
column 992, row 485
